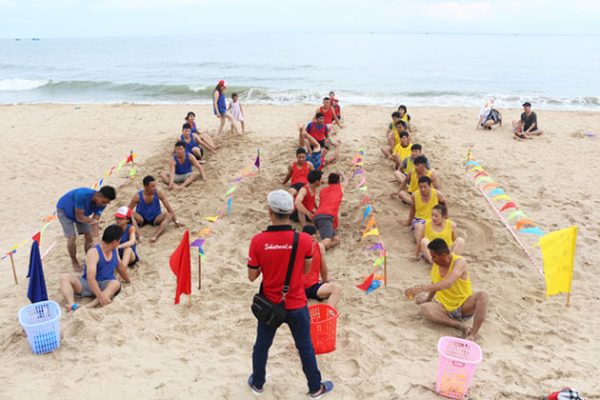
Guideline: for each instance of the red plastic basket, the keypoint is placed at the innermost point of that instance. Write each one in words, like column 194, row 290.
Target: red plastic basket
column 323, row 327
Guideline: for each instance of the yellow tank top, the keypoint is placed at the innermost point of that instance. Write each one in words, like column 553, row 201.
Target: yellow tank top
column 414, row 180
column 445, row 234
column 405, row 118
column 423, row 210
column 456, row 295
column 402, row 152
column 396, row 135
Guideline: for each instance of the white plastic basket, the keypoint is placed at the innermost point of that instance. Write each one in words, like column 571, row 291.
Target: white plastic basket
column 41, row 322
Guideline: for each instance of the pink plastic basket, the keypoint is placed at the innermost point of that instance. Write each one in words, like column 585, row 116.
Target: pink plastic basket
column 323, row 327
column 458, row 359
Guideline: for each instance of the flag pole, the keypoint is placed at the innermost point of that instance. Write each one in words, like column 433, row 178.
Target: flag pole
column 199, row 271
column 385, row 268
column 12, row 261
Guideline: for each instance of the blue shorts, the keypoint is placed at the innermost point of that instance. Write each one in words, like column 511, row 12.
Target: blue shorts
column 311, row 292
column 416, row 221
column 87, row 292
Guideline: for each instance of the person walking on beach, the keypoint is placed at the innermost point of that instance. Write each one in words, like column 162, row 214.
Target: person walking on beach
column 235, row 107
column 315, row 288
column 180, row 169
column 78, row 212
column 220, row 108
column 148, row 211
column 527, row 125
column 98, row 279
column 450, row 300
column 269, row 254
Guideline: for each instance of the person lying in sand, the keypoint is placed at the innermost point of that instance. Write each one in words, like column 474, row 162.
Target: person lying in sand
column 410, row 183
column 439, row 226
column 423, row 201
column 180, row 169
column 78, row 212
column 320, row 290
column 146, row 203
column 326, row 216
column 306, row 200
column 298, row 172
column 449, row 299
column 98, row 279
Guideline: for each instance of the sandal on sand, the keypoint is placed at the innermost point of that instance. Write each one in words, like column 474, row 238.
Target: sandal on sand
column 254, row 389
column 326, row 387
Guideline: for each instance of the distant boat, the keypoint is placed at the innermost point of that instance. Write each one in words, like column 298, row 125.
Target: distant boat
column 35, row 39
column 17, row 39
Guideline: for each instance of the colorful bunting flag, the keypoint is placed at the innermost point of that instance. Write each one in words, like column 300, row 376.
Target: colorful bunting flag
column 482, row 173
column 366, row 283
column 230, row 191
column 132, row 171
column 212, row 219
column 501, row 197
column 372, row 232
column 365, row 200
column 376, row 246
column 364, row 188
column 508, row 205
column 515, row 214
column 524, row 222
column 379, row 261
column 229, row 202
column 490, row 186
column 496, row 192
column 483, row 179
column 367, row 211
column 370, row 223
column 532, row 231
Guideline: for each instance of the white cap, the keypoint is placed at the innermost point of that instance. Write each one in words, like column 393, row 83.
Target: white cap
column 281, row 202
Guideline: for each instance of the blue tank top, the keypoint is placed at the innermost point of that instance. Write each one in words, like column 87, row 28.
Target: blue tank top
column 189, row 146
column 315, row 160
column 221, row 104
column 184, row 168
column 105, row 270
column 148, row 211
column 194, row 129
column 125, row 238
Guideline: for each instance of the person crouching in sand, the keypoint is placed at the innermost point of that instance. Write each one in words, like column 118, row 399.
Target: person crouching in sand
column 450, row 300
column 98, row 279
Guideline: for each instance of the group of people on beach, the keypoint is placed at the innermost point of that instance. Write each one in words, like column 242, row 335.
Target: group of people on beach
column 526, row 127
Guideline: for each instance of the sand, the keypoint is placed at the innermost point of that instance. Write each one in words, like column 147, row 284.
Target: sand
column 142, row 346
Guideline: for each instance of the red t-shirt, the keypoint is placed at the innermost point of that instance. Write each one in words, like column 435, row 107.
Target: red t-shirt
column 270, row 251
column 327, row 114
column 300, row 174
column 312, row 277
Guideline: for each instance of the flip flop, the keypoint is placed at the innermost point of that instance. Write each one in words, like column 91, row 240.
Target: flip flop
column 326, row 387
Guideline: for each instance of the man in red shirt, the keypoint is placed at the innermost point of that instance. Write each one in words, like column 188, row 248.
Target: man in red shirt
column 306, row 200
column 326, row 216
column 321, row 290
column 298, row 172
column 329, row 113
column 269, row 255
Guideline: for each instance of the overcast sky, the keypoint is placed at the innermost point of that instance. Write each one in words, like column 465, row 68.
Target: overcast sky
column 84, row 18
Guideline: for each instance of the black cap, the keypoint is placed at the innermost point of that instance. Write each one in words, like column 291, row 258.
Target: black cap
column 527, row 104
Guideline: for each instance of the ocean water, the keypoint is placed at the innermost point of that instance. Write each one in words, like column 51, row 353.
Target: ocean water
column 555, row 72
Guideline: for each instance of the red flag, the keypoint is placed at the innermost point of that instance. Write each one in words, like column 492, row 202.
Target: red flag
column 129, row 158
column 365, row 200
column 508, row 205
column 37, row 237
column 182, row 267
column 367, row 283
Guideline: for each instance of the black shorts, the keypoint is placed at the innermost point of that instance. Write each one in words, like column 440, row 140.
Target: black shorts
column 294, row 216
column 311, row 292
column 297, row 186
column 323, row 144
column 148, row 222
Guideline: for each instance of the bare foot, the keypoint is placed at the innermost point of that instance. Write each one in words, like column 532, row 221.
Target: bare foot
column 153, row 240
column 473, row 338
column 466, row 330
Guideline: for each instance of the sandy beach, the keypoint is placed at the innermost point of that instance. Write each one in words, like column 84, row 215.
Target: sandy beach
column 144, row 347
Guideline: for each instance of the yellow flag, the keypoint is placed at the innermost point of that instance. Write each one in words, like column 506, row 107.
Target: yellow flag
column 372, row 232
column 558, row 252
column 212, row 219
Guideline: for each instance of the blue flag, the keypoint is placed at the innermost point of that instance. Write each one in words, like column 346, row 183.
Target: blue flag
column 37, row 284
column 367, row 211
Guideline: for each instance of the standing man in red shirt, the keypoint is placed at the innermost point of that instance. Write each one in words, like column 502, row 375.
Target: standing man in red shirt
column 269, row 255
column 326, row 216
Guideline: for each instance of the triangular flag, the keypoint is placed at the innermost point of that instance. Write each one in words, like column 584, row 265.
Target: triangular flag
column 197, row 243
column 182, row 267
column 379, row 261
column 230, row 191
column 120, row 165
column 229, row 202
column 37, row 237
column 515, row 214
column 483, row 179
column 36, row 291
column 100, row 182
column 366, row 283
column 558, row 252
column 482, row 173
column 372, row 232
column 212, row 219
column 524, row 222
column 363, row 180
column 490, row 186
column 204, row 232
column 257, row 161
column 129, row 158
column 496, row 192
column 132, row 171
column 374, row 285
column 365, row 200
column 370, row 223
column 376, row 246
column 358, row 172
column 508, row 205
column 532, row 231
column 476, row 168
column 501, row 197
column 363, row 188
column 471, row 162
column 367, row 211
column 49, row 218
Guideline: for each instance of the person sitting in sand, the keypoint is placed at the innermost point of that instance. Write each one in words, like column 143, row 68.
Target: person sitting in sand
column 191, row 141
column 422, row 203
column 205, row 140
column 235, row 107
column 298, row 172
column 306, row 200
column 180, row 169
column 405, row 116
column 335, row 103
column 527, row 125
column 393, row 135
column 318, row 129
column 317, row 155
column 148, row 211
column 220, row 108
column 402, row 150
column 330, row 117
column 320, row 290
column 450, row 300
column 409, row 184
column 439, row 226
column 78, row 212
column 127, row 245
column 326, row 216
column 408, row 164
column 489, row 116
column 269, row 254
column 98, row 279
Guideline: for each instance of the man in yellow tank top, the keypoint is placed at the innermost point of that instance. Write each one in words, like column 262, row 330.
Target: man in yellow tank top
column 423, row 201
column 450, row 300
column 402, row 150
column 392, row 136
column 409, row 184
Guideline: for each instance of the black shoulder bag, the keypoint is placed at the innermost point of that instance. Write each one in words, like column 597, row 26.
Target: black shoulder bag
column 267, row 312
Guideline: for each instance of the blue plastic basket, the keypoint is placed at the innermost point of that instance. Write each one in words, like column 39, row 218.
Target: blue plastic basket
column 41, row 322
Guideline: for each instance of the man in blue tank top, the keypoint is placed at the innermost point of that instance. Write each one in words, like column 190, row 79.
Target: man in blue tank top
column 79, row 212
column 146, row 203
column 181, row 173
column 98, row 279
